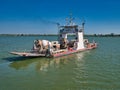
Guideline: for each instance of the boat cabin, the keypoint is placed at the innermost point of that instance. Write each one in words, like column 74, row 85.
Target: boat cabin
column 71, row 28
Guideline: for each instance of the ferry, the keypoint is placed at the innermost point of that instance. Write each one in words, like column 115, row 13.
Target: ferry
column 63, row 46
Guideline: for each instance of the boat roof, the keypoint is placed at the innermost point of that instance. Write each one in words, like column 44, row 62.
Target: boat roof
column 70, row 26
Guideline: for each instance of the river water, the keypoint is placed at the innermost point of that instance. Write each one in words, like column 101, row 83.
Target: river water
column 98, row 69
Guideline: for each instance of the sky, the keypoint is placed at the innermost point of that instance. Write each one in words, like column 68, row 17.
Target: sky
column 38, row 16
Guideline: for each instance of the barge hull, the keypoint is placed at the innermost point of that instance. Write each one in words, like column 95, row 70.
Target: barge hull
column 71, row 52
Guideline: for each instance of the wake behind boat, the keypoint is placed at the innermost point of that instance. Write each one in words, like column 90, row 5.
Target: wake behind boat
column 45, row 48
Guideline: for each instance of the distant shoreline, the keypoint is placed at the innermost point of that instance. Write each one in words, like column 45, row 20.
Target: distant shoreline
column 93, row 35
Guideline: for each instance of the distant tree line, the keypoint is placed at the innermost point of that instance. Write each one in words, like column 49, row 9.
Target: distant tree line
column 106, row 35
column 93, row 35
column 27, row 34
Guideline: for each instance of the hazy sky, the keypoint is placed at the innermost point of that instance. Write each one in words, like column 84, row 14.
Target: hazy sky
column 36, row 16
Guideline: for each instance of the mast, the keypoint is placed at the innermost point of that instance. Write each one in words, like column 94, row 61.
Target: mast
column 69, row 20
column 58, row 25
column 83, row 24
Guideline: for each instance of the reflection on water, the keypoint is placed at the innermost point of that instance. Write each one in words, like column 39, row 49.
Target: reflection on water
column 97, row 69
column 79, row 59
column 79, row 70
column 44, row 64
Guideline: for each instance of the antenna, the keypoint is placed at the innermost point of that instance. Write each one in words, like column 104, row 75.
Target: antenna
column 83, row 23
column 58, row 24
column 69, row 20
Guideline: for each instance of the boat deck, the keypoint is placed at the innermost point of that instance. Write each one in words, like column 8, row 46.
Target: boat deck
column 28, row 54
